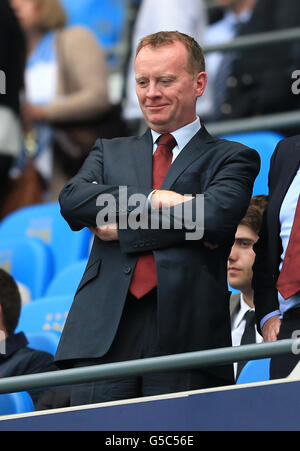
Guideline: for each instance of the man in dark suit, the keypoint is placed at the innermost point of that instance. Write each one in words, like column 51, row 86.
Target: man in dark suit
column 150, row 291
column 277, row 309
column 258, row 79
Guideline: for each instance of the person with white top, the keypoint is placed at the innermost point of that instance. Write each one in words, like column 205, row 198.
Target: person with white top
column 252, row 81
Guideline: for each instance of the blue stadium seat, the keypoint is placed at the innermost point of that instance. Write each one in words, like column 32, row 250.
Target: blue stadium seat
column 106, row 19
column 45, row 314
column 43, row 341
column 264, row 142
column 29, row 261
column 13, row 403
column 45, row 222
column 255, row 371
column 66, row 282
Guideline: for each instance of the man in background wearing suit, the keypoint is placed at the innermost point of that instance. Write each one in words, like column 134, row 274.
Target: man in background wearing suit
column 276, row 269
column 253, row 81
column 240, row 262
column 152, row 291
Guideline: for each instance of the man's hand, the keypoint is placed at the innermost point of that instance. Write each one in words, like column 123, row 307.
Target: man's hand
column 167, row 199
column 271, row 328
column 107, row 232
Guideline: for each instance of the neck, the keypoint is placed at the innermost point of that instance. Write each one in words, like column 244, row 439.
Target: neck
column 240, row 6
column 248, row 296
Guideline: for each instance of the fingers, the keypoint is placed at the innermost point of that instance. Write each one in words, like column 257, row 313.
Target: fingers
column 271, row 328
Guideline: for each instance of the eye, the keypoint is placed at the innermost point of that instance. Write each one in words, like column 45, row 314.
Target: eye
column 165, row 81
column 246, row 243
column 141, row 83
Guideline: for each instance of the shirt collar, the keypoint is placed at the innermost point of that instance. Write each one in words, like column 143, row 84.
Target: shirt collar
column 244, row 307
column 182, row 135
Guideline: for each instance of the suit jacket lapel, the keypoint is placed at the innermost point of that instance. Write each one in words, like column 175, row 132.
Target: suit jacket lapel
column 193, row 150
column 143, row 152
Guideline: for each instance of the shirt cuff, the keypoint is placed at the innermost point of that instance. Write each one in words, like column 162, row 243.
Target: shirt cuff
column 149, row 198
column 268, row 316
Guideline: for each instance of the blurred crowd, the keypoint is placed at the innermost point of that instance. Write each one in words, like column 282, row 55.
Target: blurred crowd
column 64, row 86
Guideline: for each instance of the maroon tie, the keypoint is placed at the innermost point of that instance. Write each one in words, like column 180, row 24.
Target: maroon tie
column 144, row 276
column 288, row 282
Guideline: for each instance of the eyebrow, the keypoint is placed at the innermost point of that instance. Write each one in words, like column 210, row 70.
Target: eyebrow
column 248, row 240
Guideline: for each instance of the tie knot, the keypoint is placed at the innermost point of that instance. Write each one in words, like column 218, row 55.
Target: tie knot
column 167, row 140
column 250, row 316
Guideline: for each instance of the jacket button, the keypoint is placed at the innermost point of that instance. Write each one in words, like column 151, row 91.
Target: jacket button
column 127, row 269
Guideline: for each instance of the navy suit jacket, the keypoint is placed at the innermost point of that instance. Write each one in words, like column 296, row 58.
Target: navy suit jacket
column 283, row 168
column 193, row 298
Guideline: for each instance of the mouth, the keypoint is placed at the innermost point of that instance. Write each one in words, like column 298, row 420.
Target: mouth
column 233, row 270
column 155, row 107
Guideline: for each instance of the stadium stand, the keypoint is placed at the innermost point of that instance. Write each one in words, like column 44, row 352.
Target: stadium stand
column 255, row 371
column 107, row 19
column 48, row 313
column 29, row 261
column 67, row 281
column 12, row 403
column 264, row 142
column 43, row 341
column 45, row 314
column 44, row 221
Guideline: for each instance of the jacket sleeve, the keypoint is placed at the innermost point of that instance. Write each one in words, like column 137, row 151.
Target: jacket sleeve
column 226, row 199
column 82, row 201
column 264, row 279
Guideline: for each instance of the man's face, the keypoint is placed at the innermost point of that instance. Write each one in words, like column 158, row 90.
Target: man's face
column 241, row 259
column 166, row 90
column 27, row 12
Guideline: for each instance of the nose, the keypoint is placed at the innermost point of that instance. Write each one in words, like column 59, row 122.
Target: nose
column 153, row 90
column 233, row 254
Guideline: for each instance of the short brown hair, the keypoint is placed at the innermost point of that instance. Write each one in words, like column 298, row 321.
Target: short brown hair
column 196, row 60
column 254, row 214
column 52, row 14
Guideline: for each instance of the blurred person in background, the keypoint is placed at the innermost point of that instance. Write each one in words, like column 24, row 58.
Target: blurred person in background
column 153, row 16
column 16, row 358
column 12, row 60
column 254, row 81
column 66, row 92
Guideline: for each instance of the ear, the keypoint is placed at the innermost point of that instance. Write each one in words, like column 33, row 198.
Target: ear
column 201, row 80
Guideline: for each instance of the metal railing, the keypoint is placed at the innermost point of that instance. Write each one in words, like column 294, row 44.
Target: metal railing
column 174, row 362
column 256, row 40
column 277, row 121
